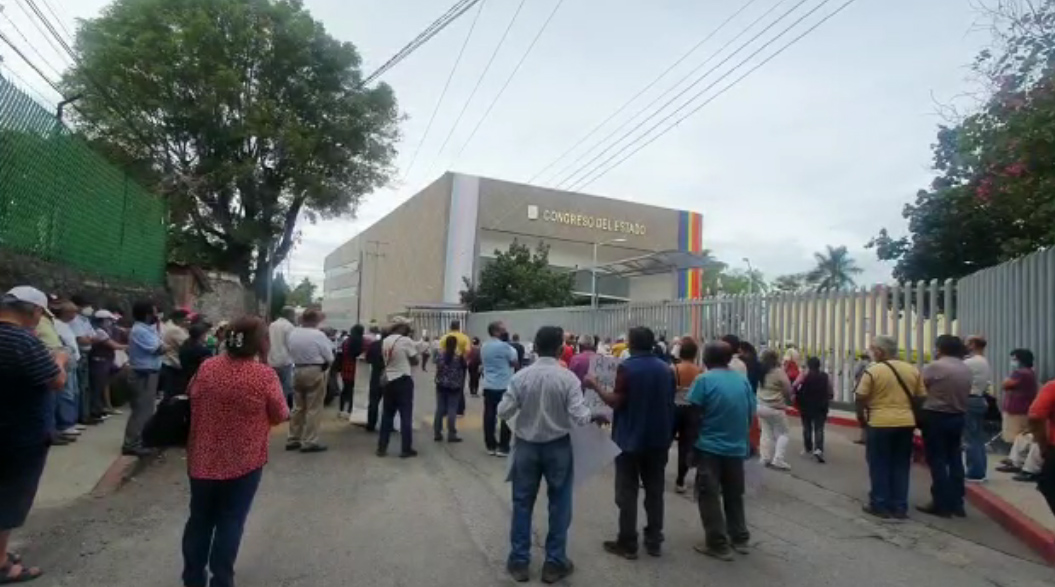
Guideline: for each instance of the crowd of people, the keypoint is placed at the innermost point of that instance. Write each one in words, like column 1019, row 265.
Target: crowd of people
column 720, row 403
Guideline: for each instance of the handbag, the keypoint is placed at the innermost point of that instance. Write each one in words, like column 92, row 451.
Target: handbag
column 916, row 403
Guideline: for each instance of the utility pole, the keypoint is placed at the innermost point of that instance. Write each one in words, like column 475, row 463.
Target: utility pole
column 375, row 254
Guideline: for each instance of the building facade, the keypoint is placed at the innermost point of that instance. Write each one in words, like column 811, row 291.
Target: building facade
column 423, row 251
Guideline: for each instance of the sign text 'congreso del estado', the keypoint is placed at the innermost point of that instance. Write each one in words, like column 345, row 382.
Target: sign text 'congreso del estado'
column 587, row 221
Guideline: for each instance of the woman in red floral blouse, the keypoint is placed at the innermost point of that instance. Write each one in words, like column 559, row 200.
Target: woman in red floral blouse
column 235, row 400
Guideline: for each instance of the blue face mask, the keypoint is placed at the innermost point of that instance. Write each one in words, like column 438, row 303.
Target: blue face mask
column 1014, row 364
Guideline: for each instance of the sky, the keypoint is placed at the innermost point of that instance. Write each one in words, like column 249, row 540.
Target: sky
column 823, row 145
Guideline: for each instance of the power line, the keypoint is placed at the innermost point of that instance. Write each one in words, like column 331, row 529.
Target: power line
column 723, row 90
column 479, row 80
column 573, row 177
column 647, row 87
column 432, row 30
column 516, row 69
column 29, row 62
column 54, row 15
column 30, row 44
column 443, row 94
column 56, row 48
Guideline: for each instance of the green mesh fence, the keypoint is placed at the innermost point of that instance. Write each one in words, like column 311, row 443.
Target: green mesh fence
column 61, row 201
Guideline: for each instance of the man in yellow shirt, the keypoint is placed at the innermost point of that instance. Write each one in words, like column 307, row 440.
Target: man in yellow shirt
column 464, row 343
column 888, row 390
column 619, row 346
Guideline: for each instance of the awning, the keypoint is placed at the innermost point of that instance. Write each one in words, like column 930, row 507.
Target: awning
column 658, row 263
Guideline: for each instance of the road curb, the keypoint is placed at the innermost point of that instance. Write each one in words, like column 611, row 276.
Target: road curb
column 120, row 471
column 1021, row 526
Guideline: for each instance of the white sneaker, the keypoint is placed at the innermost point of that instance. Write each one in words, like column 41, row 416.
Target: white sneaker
column 342, row 415
column 680, row 488
column 71, row 431
column 780, row 466
column 501, row 454
column 493, row 453
column 80, row 427
column 977, row 481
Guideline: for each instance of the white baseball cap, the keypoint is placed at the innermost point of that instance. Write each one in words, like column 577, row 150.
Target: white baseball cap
column 30, row 295
column 105, row 315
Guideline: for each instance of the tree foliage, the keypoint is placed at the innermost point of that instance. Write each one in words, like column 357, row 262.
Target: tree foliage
column 835, row 270
column 994, row 196
column 246, row 114
column 517, row 279
column 303, row 295
column 790, row 283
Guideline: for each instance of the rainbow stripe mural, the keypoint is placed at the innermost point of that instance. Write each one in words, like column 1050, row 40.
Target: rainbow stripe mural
column 690, row 238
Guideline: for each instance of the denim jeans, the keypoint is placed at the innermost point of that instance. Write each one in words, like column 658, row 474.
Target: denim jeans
column 492, row 397
column 531, row 462
column 974, row 438
column 84, row 400
column 889, row 454
column 943, row 445
column 285, row 379
column 446, row 407
column 68, row 411
column 213, row 533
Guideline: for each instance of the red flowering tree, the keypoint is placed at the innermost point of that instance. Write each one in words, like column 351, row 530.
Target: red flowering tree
column 994, row 196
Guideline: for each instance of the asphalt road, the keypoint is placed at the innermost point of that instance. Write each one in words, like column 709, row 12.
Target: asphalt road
column 346, row 517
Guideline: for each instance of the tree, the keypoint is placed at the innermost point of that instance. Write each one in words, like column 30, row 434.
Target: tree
column 246, row 114
column 834, row 271
column 517, row 279
column 994, row 197
column 791, row 283
column 303, row 295
column 279, row 294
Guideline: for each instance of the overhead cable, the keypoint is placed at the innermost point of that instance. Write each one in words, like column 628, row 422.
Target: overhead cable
column 583, row 184
column 432, row 30
column 29, row 44
column 571, row 178
column 641, row 92
column 509, row 79
column 479, row 80
column 443, row 93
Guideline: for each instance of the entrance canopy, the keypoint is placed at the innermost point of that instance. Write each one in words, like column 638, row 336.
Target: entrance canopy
column 663, row 262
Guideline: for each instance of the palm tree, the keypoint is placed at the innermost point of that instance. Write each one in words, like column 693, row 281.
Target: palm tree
column 834, row 271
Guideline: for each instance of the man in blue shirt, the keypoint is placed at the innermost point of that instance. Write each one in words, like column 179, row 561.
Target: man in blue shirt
column 498, row 360
column 643, row 427
column 144, row 360
column 726, row 407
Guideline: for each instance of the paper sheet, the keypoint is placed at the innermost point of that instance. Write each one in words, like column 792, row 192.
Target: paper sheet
column 592, row 450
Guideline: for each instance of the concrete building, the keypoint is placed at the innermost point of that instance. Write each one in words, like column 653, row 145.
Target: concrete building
column 422, row 252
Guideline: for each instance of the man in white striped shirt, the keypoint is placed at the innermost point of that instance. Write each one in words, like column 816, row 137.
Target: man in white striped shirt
column 547, row 401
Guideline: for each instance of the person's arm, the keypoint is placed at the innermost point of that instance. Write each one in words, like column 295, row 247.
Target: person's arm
column 277, row 408
column 862, row 395
column 325, row 349
column 785, row 384
column 614, row 398
column 411, row 350
column 1012, row 381
column 1040, row 413
column 43, row 367
column 510, row 404
column 578, row 411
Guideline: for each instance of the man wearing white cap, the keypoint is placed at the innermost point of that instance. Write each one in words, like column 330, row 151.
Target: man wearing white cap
column 400, row 355
column 31, row 377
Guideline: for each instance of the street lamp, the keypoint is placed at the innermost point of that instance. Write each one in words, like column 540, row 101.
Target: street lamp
column 593, row 271
column 750, row 279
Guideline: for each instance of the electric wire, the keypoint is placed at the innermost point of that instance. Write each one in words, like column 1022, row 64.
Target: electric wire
column 573, row 177
column 641, row 92
column 509, row 79
column 720, row 92
column 443, row 94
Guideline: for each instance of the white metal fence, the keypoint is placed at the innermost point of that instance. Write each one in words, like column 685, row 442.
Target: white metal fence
column 1012, row 305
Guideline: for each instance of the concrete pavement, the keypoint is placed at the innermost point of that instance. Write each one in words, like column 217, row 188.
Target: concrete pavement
column 347, row 517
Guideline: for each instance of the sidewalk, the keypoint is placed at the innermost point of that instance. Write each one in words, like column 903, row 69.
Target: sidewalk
column 1016, row 507
column 75, row 470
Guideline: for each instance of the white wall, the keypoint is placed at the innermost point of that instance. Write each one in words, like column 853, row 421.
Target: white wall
column 652, row 288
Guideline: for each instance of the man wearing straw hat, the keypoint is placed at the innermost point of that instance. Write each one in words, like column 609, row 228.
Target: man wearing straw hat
column 399, row 354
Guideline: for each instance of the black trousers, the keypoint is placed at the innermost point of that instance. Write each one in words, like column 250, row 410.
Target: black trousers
column 347, row 394
column 168, row 380
column 686, row 429
column 1046, row 483
column 492, row 397
column 813, row 430
column 398, row 396
column 720, row 498
column 632, row 470
column 374, row 402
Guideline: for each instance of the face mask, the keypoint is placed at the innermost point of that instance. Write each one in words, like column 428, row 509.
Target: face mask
column 1014, row 364
column 87, row 311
